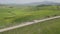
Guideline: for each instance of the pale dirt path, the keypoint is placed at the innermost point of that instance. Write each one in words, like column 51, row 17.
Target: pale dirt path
column 28, row 23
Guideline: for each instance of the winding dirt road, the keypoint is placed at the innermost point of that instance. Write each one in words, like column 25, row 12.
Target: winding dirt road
column 28, row 23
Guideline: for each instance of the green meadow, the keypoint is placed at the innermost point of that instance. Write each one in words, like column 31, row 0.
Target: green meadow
column 46, row 27
column 10, row 16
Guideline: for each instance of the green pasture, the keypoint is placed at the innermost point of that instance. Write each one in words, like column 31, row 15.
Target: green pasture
column 12, row 16
column 46, row 27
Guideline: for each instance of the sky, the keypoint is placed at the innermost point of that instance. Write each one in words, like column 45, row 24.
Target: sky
column 23, row 1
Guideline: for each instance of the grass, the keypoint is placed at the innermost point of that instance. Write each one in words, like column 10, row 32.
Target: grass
column 12, row 16
column 47, row 27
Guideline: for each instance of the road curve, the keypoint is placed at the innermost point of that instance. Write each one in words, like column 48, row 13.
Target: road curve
column 28, row 23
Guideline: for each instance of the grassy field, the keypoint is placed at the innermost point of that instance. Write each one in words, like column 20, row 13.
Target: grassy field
column 47, row 27
column 11, row 16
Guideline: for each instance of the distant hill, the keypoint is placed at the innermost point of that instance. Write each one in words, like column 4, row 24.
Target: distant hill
column 35, row 3
column 44, row 2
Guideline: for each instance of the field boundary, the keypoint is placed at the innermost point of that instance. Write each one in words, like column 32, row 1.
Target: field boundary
column 28, row 23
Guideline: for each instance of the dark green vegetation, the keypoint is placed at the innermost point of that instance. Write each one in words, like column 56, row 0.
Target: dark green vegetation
column 12, row 15
column 47, row 27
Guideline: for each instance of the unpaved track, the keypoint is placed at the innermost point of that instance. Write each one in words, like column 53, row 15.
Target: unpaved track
column 28, row 23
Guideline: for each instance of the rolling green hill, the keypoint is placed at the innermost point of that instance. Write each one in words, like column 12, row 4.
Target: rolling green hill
column 10, row 16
